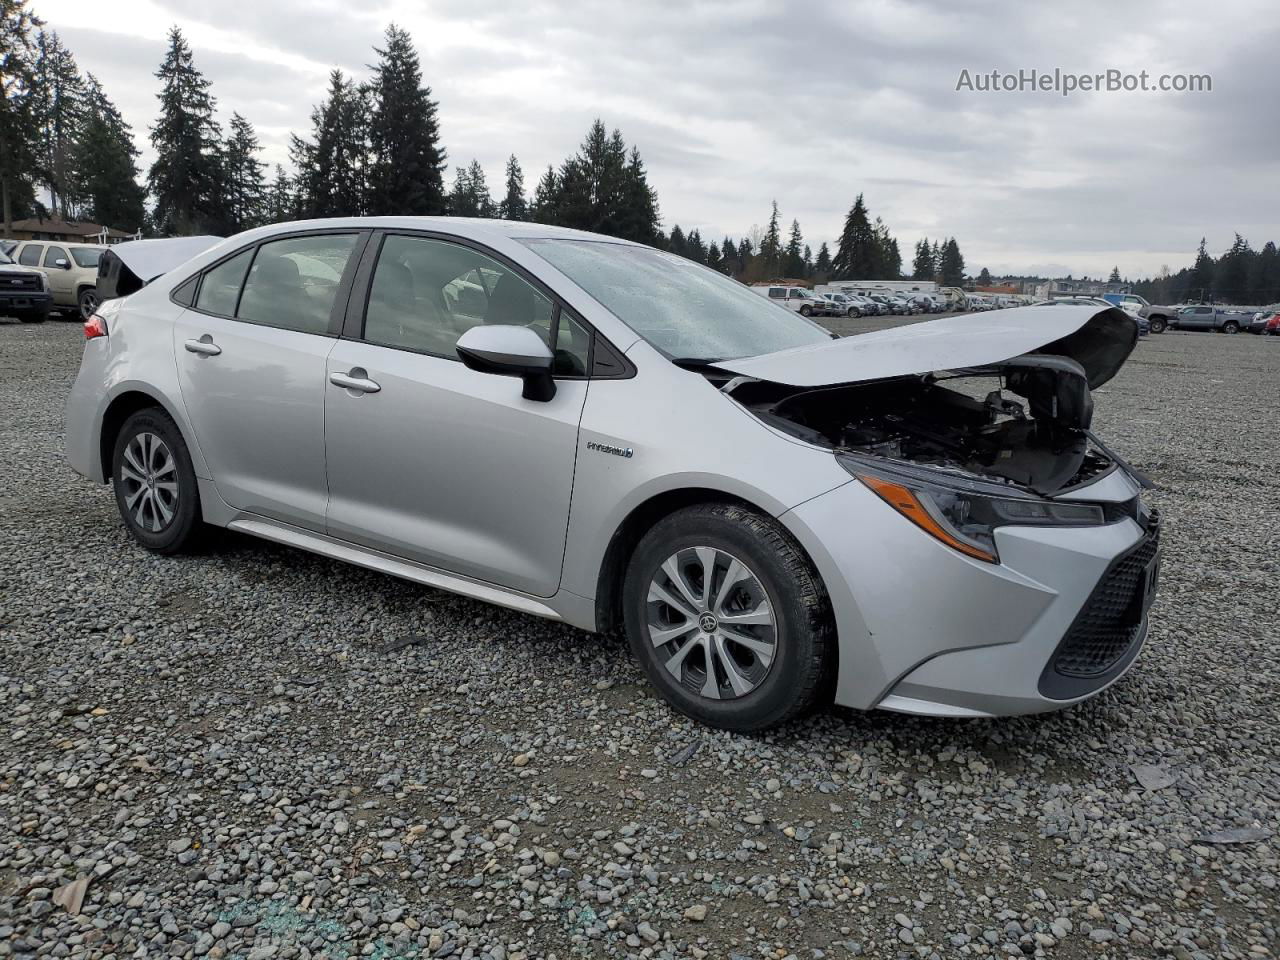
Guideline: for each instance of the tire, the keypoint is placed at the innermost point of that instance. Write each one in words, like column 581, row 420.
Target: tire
column 852, row 312
column 166, row 519
column 758, row 692
column 1231, row 327
column 1157, row 324
column 87, row 300
column 806, row 311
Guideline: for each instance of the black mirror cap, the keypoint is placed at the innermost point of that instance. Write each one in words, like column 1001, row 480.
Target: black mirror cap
column 535, row 372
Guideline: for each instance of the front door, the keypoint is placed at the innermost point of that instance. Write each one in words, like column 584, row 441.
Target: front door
column 436, row 463
column 57, row 267
column 251, row 364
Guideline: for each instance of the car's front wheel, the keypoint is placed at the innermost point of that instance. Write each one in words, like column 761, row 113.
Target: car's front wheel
column 155, row 483
column 728, row 618
column 1157, row 324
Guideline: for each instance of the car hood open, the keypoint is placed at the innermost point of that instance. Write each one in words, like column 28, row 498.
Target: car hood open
column 148, row 259
column 1099, row 339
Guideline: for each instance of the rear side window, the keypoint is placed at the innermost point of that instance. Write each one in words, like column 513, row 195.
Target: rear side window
column 221, row 286
column 293, row 283
column 30, row 255
column 86, row 256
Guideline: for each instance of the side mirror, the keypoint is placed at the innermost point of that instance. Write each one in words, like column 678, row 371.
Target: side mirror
column 62, row 262
column 510, row 351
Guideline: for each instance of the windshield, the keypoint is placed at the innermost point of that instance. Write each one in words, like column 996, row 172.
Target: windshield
column 5, row 258
column 683, row 309
column 86, row 256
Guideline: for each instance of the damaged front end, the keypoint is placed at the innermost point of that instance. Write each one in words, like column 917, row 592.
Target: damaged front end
column 960, row 451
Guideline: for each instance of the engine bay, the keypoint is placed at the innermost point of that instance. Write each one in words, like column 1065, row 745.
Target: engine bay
column 1024, row 422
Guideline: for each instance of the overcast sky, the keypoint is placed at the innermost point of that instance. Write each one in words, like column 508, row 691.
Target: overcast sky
column 733, row 104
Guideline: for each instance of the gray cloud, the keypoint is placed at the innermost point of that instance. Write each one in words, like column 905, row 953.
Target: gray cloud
column 735, row 104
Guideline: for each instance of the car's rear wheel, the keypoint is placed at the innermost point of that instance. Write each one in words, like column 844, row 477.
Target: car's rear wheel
column 728, row 618
column 806, row 311
column 88, row 302
column 1157, row 324
column 1231, row 327
column 155, row 483
column 851, row 312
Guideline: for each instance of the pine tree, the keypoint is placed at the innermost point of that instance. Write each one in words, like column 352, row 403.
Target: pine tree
column 984, row 278
column 470, row 194
column 729, row 260
column 544, row 197
column 513, row 205
column 808, row 261
column 771, row 245
column 951, row 265
column 923, row 266
column 282, row 199
column 695, row 249
column 794, row 259
column 407, row 161
column 1115, row 275
column 1231, row 278
column 639, row 219
column 676, row 242
column 1199, row 284
column 822, row 266
column 337, row 161
column 61, row 111
column 855, row 257
column 104, row 161
column 246, row 192
column 185, row 179
column 714, row 258
column 18, row 119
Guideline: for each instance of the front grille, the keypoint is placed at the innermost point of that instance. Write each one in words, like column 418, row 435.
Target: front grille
column 1112, row 617
column 19, row 281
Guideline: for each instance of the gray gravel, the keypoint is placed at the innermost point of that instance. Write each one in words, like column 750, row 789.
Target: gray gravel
column 221, row 747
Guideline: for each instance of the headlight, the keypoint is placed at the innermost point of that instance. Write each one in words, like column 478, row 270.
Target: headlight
column 962, row 514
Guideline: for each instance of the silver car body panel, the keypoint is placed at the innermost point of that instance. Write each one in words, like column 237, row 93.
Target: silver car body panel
column 447, row 477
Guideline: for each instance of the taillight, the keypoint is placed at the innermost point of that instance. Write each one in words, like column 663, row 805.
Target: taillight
column 95, row 327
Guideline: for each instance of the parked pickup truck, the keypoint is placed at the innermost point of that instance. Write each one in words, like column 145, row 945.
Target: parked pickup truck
column 1211, row 318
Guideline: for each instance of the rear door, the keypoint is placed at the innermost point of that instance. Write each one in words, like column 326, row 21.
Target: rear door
column 437, row 463
column 251, row 363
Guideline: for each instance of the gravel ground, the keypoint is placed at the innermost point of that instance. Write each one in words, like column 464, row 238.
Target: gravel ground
column 225, row 750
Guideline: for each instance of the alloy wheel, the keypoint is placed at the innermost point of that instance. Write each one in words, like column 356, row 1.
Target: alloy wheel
column 88, row 304
column 711, row 621
column 150, row 477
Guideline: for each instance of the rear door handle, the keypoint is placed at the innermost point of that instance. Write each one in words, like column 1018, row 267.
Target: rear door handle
column 356, row 380
column 204, row 346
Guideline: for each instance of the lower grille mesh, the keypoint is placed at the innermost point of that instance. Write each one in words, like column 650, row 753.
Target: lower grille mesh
column 1111, row 618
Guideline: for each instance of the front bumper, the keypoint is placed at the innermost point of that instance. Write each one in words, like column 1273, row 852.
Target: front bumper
column 924, row 629
column 25, row 301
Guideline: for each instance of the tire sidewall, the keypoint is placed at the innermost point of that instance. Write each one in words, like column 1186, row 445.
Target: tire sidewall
column 185, row 522
column 774, row 697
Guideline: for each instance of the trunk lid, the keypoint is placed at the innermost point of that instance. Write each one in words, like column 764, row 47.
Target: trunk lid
column 1098, row 339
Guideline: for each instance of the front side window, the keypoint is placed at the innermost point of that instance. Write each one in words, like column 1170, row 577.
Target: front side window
column 53, row 254
column 293, row 283
column 86, row 256
column 685, row 310
column 30, row 255
column 427, row 293
column 220, row 288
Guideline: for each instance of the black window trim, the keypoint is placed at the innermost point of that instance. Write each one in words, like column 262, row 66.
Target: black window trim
column 353, row 323
column 340, row 300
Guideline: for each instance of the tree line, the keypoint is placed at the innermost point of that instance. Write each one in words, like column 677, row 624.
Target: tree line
column 1241, row 275
column 864, row 251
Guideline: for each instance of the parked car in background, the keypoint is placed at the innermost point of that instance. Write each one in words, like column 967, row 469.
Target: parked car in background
column 1258, row 322
column 1272, row 328
column 24, row 292
column 864, row 532
column 798, row 300
column 1206, row 317
column 845, row 305
column 1130, row 303
column 72, row 269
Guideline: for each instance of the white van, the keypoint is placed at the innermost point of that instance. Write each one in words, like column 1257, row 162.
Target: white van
column 798, row 300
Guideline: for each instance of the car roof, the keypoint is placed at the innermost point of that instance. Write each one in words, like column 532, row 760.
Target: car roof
column 475, row 228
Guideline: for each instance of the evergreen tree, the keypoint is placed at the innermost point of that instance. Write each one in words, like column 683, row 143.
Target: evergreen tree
column 104, row 161
column 19, row 122
column 676, row 242
column 185, row 178
column 544, row 197
column 1264, row 275
column 513, row 205
column 771, row 245
column 1199, row 284
column 61, row 111
column 337, row 161
column 951, row 264
column 984, row 278
column 856, row 257
column 243, row 173
column 730, row 263
column 922, row 265
column 695, row 249
column 808, row 261
column 639, row 216
column 714, row 258
column 281, row 200
column 470, row 194
column 794, row 256
column 1231, row 278
column 1115, row 275
column 822, row 266
column 407, row 161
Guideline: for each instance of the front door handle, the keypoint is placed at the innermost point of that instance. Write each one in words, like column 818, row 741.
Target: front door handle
column 204, row 346
column 356, row 380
